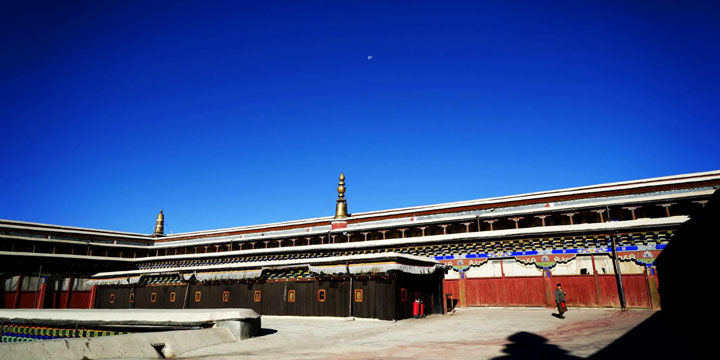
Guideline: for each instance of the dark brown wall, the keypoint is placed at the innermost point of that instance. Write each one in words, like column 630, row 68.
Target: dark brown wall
column 122, row 297
column 381, row 296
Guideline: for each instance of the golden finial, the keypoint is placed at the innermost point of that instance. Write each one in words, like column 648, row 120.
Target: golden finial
column 160, row 224
column 341, row 206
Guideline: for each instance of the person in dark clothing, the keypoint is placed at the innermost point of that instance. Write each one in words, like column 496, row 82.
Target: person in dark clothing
column 560, row 301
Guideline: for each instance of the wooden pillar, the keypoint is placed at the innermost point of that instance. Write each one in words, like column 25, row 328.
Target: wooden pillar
column 68, row 292
column 542, row 218
column 549, row 288
column 422, row 228
column 516, row 220
column 40, row 302
column 491, row 223
column 18, row 291
column 403, row 232
column 444, row 229
column 570, row 215
column 504, row 285
column 93, row 295
column 462, row 289
column 443, row 296
column 667, row 208
column 653, row 292
column 600, row 212
column 365, row 234
column 598, row 293
column 467, row 226
column 632, row 210
column 383, row 235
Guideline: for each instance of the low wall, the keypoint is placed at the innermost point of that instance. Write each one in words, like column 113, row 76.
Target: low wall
column 26, row 324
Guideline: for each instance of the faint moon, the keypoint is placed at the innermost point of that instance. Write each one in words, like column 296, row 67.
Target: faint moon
column 370, row 57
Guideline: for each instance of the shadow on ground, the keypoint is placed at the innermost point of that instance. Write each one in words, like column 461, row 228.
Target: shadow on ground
column 526, row 345
column 265, row 331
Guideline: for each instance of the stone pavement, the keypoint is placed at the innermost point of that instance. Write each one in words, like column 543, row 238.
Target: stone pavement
column 475, row 333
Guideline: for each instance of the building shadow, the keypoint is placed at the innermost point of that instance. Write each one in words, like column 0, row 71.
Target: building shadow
column 686, row 286
column 526, row 345
column 266, row 331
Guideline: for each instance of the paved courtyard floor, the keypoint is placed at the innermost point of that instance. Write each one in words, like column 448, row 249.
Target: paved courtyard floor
column 475, row 333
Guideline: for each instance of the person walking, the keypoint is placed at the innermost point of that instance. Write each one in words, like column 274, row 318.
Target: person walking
column 560, row 300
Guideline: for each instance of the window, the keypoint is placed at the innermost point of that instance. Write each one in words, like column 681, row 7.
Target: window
column 226, row 296
column 322, row 295
column 358, row 295
column 153, row 297
column 112, row 298
column 172, row 296
column 198, row 296
column 403, row 294
column 291, row 296
column 257, row 296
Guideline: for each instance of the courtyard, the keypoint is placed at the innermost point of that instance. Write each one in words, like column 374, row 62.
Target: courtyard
column 474, row 333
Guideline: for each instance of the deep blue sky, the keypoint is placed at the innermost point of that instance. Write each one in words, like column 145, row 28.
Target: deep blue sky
column 237, row 113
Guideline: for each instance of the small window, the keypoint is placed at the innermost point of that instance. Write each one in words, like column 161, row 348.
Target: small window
column 257, row 296
column 153, row 297
column 403, row 294
column 358, row 295
column 132, row 298
column 172, row 296
column 322, row 295
column 198, row 296
column 226, row 296
column 112, row 298
column 291, row 296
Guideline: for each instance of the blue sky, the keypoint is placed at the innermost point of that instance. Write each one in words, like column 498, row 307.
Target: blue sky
column 237, row 113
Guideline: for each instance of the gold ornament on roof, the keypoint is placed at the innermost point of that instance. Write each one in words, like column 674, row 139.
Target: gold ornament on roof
column 341, row 206
column 160, row 224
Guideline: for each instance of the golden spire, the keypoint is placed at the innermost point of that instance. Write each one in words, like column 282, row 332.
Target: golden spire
column 341, row 206
column 160, row 224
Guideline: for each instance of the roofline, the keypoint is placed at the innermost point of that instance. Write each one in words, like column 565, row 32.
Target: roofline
column 397, row 212
column 591, row 189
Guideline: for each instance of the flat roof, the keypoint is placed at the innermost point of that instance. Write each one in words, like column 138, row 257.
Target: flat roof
column 539, row 197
